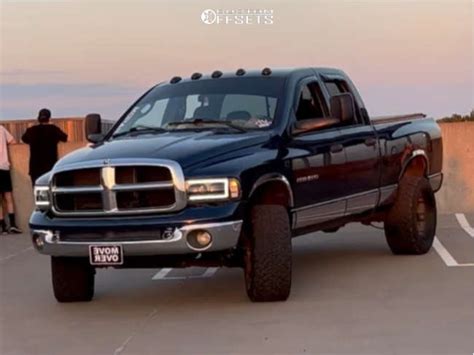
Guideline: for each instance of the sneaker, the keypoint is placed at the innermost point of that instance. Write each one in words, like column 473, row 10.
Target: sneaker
column 4, row 232
column 15, row 230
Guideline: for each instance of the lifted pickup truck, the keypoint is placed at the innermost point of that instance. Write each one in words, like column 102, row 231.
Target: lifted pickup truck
column 224, row 169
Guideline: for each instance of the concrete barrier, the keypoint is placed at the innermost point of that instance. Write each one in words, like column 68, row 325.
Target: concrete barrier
column 456, row 195
column 22, row 189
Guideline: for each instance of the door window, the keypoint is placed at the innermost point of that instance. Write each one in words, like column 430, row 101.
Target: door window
column 337, row 87
column 311, row 104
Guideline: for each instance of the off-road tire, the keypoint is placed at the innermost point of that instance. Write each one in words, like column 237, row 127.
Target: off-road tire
column 73, row 279
column 267, row 254
column 410, row 225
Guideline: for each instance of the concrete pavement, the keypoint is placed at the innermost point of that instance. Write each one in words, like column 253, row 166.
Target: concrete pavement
column 350, row 295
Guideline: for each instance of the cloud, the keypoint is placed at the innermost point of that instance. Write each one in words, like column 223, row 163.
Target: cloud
column 65, row 99
column 17, row 91
column 22, row 72
column 435, row 101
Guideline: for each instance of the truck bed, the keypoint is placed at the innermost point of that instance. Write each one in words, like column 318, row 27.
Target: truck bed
column 397, row 118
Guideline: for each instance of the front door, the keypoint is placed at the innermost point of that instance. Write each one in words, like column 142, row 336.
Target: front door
column 362, row 170
column 317, row 163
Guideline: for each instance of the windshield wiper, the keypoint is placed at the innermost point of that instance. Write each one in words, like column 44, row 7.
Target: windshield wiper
column 140, row 129
column 198, row 121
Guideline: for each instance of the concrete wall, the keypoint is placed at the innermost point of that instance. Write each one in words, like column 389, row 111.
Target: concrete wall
column 74, row 127
column 22, row 189
column 456, row 195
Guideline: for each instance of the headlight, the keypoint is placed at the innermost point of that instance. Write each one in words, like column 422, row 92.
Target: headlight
column 212, row 189
column 42, row 197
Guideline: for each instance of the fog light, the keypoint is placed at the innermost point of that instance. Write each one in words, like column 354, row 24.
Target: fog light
column 39, row 242
column 203, row 238
column 199, row 239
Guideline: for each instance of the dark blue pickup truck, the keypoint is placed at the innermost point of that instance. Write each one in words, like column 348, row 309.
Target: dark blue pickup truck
column 224, row 169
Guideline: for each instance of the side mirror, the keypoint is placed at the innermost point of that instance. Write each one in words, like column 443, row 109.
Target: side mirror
column 95, row 138
column 342, row 107
column 314, row 124
column 93, row 128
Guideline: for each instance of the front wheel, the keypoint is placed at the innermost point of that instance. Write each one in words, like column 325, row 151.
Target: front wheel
column 410, row 225
column 73, row 279
column 267, row 254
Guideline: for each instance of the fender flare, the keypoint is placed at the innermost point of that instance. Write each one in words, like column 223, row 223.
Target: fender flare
column 273, row 177
column 414, row 155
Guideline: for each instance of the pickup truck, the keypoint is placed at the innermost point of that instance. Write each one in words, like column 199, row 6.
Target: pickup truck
column 225, row 169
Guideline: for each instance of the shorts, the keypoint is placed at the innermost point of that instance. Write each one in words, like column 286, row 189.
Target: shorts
column 5, row 181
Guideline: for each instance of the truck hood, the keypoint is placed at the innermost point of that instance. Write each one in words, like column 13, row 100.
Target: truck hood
column 186, row 148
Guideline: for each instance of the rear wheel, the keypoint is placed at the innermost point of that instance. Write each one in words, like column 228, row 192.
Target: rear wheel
column 73, row 279
column 267, row 254
column 411, row 223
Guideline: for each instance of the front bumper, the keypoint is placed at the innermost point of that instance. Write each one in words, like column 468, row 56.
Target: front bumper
column 225, row 235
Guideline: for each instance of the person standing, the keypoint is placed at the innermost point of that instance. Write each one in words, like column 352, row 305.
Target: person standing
column 43, row 140
column 6, row 187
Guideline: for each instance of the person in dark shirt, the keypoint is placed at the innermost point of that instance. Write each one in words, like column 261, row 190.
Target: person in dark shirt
column 43, row 140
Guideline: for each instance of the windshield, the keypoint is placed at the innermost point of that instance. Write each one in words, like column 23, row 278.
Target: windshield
column 243, row 103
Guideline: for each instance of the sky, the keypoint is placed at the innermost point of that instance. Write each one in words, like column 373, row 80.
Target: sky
column 76, row 57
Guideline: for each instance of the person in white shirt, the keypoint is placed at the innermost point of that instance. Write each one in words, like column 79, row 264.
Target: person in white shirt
column 6, row 183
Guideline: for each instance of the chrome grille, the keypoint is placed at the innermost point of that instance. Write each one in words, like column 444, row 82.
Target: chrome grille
column 71, row 178
column 119, row 187
column 141, row 174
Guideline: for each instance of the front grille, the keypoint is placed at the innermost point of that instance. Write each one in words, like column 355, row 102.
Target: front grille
column 118, row 189
column 141, row 174
column 85, row 177
column 111, row 236
column 79, row 202
column 145, row 199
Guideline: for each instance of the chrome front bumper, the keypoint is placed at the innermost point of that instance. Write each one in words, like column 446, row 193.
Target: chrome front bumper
column 225, row 235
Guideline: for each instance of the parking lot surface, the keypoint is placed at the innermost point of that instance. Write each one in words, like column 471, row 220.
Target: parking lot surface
column 349, row 295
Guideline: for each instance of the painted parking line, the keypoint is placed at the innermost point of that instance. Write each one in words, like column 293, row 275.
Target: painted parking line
column 209, row 272
column 8, row 257
column 160, row 275
column 446, row 255
column 163, row 274
column 465, row 224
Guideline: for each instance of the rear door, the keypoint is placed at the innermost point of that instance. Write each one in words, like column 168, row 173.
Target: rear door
column 318, row 161
column 362, row 153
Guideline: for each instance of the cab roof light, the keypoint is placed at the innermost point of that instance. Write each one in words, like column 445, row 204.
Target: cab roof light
column 266, row 71
column 216, row 74
column 240, row 72
column 175, row 79
column 196, row 76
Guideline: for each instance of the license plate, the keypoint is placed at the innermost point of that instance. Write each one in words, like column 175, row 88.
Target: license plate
column 105, row 255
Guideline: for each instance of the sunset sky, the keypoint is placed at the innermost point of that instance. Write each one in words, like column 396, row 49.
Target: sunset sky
column 77, row 56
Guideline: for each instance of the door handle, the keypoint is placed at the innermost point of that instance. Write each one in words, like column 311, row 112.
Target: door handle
column 371, row 141
column 336, row 148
